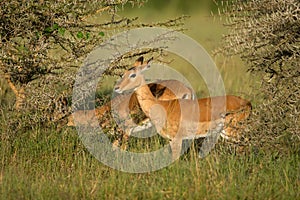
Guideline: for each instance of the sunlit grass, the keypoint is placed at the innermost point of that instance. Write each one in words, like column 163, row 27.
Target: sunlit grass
column 56, row 166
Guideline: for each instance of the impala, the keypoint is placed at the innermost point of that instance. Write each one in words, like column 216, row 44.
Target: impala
column 126, row 109
column 174, row 119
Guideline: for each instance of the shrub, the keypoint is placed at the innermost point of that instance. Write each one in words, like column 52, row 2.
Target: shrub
column 43, row 43
column 266, row 35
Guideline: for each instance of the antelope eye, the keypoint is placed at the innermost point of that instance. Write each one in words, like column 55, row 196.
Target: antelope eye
column 132, row 75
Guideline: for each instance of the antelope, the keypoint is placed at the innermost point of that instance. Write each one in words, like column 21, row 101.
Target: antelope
column 166, row 115
column 127, row 109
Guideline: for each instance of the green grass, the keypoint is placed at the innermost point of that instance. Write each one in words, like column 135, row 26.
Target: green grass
column 47, row 163
column 55, row 165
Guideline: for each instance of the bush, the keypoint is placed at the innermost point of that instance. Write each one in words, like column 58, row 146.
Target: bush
column 43, row 43
column 266, row 35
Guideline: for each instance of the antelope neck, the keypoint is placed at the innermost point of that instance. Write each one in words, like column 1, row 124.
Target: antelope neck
column 145, row 98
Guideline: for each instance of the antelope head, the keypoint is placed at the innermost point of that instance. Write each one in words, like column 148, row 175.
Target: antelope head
column 133, row 77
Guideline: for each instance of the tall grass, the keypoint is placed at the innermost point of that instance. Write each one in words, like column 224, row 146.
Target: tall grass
column 47, row 164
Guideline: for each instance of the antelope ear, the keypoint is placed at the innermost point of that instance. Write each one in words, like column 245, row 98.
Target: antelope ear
column 145, row 66
column 150, row 59
column 139, row 61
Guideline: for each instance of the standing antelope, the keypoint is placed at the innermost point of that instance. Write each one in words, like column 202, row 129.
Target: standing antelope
column 127, row 109
column 174, row 119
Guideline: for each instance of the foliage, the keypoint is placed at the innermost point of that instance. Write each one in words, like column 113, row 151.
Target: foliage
column 43, row 42
column 266, row 35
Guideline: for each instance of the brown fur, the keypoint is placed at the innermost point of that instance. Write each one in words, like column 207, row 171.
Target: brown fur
column 131, row 114
column 175, row 119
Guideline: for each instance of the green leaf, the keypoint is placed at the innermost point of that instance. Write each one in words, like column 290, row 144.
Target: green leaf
column 80, row 35
column 38, row 35
column 61, row 31
column 22, row 48
column 101, row 34
column 55, row 27
column 48, row 30
column 87, row 35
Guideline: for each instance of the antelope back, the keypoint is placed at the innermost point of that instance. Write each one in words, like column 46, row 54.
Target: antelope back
column 170, row 89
